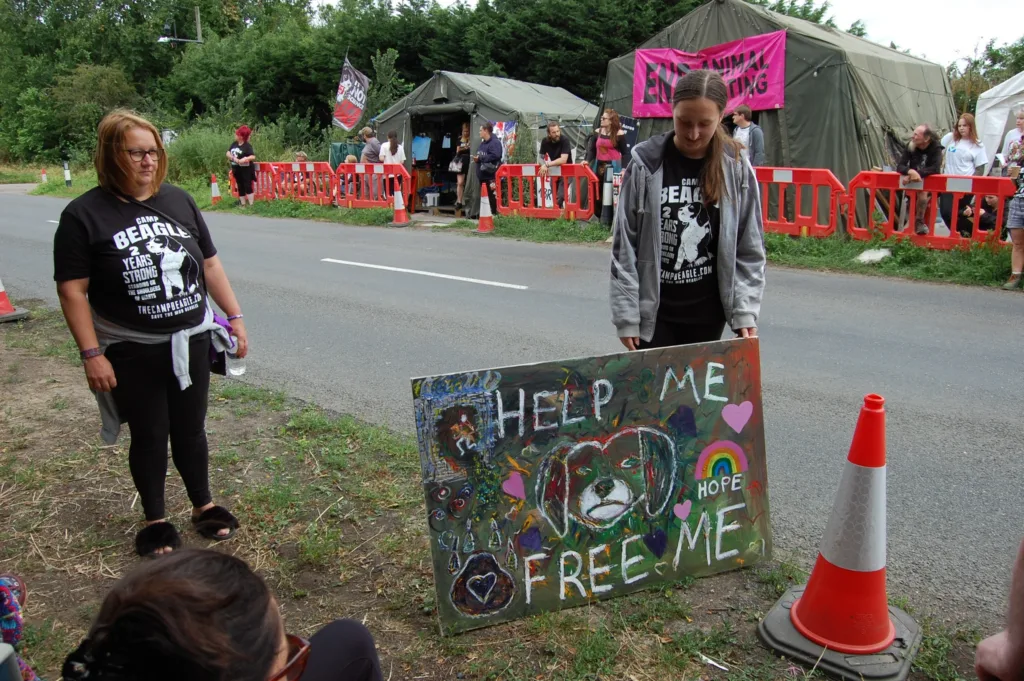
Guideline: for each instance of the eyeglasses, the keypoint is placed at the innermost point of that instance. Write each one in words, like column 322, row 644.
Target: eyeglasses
column 138, row 154
column 298, row 655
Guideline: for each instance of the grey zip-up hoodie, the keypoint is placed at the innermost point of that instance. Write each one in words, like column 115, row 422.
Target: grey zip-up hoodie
column 636, row 247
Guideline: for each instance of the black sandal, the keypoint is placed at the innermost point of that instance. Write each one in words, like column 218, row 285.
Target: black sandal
column 213, row 520
column 156, row 536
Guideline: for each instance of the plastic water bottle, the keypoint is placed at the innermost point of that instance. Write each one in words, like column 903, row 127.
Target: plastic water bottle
column 236, row 366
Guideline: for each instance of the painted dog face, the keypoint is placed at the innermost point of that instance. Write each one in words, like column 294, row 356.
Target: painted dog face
column 597, row 484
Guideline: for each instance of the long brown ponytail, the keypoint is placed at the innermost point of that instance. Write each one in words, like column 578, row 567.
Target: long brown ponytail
column 393, row 141
column 710, row 85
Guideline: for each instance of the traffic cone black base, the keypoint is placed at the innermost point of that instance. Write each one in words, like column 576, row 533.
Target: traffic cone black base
column 894, row 663
column 15, row 316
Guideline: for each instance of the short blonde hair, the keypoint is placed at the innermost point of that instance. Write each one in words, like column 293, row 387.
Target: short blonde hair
column 113, row 165
column 351, row 159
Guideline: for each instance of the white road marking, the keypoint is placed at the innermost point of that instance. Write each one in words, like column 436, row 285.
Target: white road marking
column 53, row 222
column 470, row 280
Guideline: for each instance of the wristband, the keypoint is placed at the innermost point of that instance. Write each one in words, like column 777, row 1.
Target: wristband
column 90, row 353
column 234, row 317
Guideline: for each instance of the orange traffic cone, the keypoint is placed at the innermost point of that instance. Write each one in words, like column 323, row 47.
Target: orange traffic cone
column 214, row 190
column 844, row 606
column 44, row 176
column 9, row 313
column 841, row 619
column 486, row 224
column 401, row 215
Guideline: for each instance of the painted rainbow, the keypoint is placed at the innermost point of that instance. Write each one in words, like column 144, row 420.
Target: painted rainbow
column 720, row 458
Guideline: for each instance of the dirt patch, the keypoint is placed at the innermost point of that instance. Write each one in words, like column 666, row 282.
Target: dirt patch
column 332, row 518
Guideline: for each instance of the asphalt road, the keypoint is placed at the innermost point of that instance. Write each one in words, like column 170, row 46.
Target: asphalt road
column 350, row 337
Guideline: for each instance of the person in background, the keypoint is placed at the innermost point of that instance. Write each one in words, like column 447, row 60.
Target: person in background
column 965, row 155
column 921, row 158
column 241, row 156
column 1001, row 657
column 462, row 159
column 688, row 245
column 749, row 134
column 1015, row 137
column 1015, row 220
column 300, row 157
column 206, row 616
column 371, row 148
column 370, row 154
column 555, row 150
column 134, row 264
column 987, row 213
column 392, row 152
column 487, row 159
column 607, row 148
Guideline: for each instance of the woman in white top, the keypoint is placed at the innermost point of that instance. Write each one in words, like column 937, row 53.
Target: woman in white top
column 1016, row 136
column 392, row 152
column 965, row 155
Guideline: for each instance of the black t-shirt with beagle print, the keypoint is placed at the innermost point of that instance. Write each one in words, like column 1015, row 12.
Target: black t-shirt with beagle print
column 689, row 245
column 144, row 272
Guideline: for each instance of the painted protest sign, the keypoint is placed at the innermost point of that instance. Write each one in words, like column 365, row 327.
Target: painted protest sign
column 351, row 98
column 754, row 69
column 551, row 485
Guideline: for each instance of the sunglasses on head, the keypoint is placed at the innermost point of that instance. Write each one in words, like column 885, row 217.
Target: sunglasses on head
column 298, row 655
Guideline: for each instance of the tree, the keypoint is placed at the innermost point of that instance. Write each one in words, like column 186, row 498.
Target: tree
column 858, row 29
column 386, row 85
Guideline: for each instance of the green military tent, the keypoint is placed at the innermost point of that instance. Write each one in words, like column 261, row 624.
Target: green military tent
column 850, row 104
column 438, row 108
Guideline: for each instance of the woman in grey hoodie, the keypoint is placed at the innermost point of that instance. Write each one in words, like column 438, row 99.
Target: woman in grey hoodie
column 688, row 248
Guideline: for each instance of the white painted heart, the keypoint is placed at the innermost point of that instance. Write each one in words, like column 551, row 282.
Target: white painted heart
column 481, row 586
column 737, row 415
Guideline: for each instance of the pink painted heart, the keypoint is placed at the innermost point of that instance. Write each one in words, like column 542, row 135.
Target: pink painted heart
column 682, row 510
column 514, row 486
column 737, row 415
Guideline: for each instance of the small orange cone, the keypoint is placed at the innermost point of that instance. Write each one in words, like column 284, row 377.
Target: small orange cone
column 44, row 176
column 486, row 224
column 9, row 313
column 214, row 190
column 401, row 215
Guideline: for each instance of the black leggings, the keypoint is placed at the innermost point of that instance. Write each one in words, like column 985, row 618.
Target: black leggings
column 149, row 398
column 342, row 651
column 244, row 178
column 667, row 334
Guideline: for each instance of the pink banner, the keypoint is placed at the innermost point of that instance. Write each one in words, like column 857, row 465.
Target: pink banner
column 754, row 69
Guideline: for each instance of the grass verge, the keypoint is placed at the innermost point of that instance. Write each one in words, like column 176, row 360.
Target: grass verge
column 532, row 229
column 332, row 517
column 18, row 175
column 978, row 265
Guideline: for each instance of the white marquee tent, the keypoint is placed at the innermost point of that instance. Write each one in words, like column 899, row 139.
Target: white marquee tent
column 996, row 111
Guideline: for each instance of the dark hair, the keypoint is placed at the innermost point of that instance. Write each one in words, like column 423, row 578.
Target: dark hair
column 244, row 132
column 744, row 110
column 194, row 614
column 488, row 126
column 710, row 85
column 393, row 141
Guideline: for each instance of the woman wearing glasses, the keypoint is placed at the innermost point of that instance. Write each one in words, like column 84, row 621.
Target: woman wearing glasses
column 134, row 261
column 205, row 616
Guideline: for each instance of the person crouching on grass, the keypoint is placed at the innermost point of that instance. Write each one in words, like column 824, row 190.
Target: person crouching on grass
column 134, row 261
column 688, row 244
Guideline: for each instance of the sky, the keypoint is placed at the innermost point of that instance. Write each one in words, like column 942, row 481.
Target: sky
column 934, row 29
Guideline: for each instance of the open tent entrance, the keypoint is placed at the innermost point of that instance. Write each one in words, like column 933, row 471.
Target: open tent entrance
column 435, row 139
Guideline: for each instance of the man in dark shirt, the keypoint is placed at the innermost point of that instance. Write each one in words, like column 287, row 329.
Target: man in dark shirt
column 921, row 158
column 555, row 151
